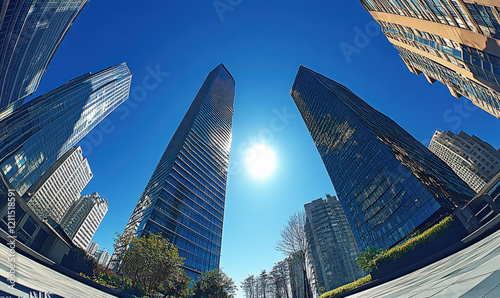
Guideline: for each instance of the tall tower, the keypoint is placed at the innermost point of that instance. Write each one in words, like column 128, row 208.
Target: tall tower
column 84, row 217
column 54, row 192
column 184, row 199
column 34, row 136
column 333, row 248
column 452, row 41
column 388, row 183
column 30, row 33
column 474, row 160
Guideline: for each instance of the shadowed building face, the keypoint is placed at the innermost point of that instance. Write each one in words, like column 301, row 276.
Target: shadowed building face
column 184, row 199
column 387, row 182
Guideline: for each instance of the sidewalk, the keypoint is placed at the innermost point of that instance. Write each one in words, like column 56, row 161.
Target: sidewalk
column 470, row 273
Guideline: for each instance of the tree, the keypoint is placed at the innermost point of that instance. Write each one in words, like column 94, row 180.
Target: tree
column 280, row 279
column 214, row 284
column 120, row 244
column 178, row 286
column 295, row 243
column 151, row 262
column 263, row 284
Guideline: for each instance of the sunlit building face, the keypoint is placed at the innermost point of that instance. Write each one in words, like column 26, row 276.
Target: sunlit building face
column 185, row 197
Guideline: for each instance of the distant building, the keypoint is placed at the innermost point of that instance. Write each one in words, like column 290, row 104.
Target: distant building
column 104, row 257
column 92, row 248
column 333, row 247
column 474, row 160
column 30, row 33
column 388, row 183
column 184, row 199
column 54, row 192
column 451, row 41
column 84, row 217
column 34, row 136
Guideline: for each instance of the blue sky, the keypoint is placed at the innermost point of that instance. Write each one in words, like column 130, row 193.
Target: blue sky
column 262, row 44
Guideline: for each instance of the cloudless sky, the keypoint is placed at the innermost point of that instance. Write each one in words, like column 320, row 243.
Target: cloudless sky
column 262, row 43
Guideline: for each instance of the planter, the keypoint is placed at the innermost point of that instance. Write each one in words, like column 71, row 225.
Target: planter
column 424, row 255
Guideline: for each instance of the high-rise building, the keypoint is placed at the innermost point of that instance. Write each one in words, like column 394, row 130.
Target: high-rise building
column 104, row 257
column 30, row 33
column 34, row 136
column 92, row 248
column 333, row 248
column 474, row 160
column 184, row 199
column 84, row 217
column 54, row 192
column 388, row 183
column 452, row 41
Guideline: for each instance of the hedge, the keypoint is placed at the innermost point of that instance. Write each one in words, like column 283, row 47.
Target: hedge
column 348, row 287
column 415, row 242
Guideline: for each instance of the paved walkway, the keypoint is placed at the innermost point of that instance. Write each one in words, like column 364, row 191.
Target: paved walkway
column 32, row 276
column 470, row 273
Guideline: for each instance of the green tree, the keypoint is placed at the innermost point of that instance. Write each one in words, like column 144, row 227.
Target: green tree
column 214, row 284
column 178, row 286
column 367, row 258
column 120, row 244
column 151, row 262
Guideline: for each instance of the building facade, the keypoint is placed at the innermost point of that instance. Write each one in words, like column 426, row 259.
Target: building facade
column 30, row 33
column 185, row 197
column 54, row 192
column 451, row 41
column 104, row 257
column 474, row 160
column 83, row 218
column 333, row 247
column 388, row 183
column 34, row 136
column 92, row 248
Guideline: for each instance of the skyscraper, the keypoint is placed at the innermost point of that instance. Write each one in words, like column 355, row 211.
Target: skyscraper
column 333, row 248
column 474, row 160
column 388, row 183
column 184, row 199
column 104, row 257
column 30, row 33
column 92, row 248
column 54, row 192
column 42, row 130
column 452, row 41
column 84, row 217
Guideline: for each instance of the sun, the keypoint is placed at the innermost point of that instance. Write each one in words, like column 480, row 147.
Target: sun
column 261, row 161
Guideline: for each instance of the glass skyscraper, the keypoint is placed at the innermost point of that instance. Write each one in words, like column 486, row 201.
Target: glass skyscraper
column 30, row 33
column 388, row 183
column 34, row 136
column 451, row 41
column 184, row 199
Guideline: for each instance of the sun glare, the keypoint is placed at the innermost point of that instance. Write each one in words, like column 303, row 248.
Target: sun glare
column 261, row 161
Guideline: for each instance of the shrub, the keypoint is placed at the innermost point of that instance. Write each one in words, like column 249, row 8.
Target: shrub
column 367, row 257
column 414, row 243
column 348, row 287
